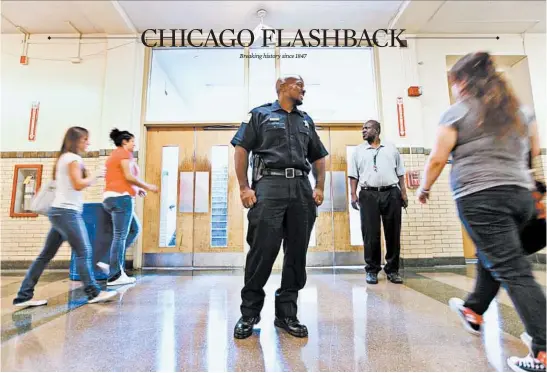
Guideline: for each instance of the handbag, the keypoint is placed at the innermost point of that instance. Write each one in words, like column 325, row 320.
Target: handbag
column 534, row 234
column 44, row 198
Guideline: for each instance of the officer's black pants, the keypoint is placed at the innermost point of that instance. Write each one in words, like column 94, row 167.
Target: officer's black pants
column 387, row 205
column 284, row 210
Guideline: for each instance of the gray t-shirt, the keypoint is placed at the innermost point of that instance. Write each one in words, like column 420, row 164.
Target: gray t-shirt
column 480, row 159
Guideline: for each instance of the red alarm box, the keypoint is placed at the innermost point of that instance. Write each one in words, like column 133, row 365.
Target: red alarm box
column 413, row 179
column 414, row 91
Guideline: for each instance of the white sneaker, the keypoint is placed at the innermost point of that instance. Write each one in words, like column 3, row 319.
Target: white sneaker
column 104, row 267
column 103, row 296
column 31, row 303
column 124, row 279
column 527, row 364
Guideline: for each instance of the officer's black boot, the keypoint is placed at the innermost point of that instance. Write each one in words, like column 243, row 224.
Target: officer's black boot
column 292, row 326
column 244, row 326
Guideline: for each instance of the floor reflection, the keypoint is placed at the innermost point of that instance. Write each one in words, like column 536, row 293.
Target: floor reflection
column 168, row 323
column 167, row 352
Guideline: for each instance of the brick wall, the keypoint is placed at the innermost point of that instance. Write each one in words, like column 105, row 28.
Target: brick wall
column 429, row 231
column 432, row 230
column 22, row 239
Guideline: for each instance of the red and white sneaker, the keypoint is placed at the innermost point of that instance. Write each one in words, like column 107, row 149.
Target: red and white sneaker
column 471, row 321
column 528, row 363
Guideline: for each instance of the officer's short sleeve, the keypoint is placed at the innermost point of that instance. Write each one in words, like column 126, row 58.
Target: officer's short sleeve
column 316, row 149
column 353, row 165
column 246, row 135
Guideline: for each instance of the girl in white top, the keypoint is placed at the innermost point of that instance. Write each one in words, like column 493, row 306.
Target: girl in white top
column 65, row 215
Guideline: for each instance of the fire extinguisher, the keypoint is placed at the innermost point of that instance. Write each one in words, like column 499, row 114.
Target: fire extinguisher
column 29, row 191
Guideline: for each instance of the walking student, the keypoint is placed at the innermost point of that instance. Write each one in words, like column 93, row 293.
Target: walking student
column 490, row 137
column 122, row 186
column 65, row 215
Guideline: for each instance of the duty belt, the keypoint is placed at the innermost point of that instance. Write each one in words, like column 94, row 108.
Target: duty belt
column 289, row 173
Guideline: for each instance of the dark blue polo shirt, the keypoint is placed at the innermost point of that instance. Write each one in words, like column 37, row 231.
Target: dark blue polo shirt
column 283, row 140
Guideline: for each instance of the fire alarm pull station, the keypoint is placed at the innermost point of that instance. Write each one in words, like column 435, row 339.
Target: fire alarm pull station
column 412, row 177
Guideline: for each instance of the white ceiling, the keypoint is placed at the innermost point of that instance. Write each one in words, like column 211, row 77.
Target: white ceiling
column 473, row 17
column 425, row 16
column 50, row 17
column 287, row 15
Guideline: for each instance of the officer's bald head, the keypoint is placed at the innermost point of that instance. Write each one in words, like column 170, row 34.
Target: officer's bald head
column 292, row 87
column 286, row 79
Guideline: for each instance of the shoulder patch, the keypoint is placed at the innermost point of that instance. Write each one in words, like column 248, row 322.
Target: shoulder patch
column 248, row 118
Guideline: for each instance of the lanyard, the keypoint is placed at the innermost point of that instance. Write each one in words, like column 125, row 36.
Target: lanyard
column 374, row 158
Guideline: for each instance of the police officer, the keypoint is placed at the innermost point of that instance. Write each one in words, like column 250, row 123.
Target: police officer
column 283, row 206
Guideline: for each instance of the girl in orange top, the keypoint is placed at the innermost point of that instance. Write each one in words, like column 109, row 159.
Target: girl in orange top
column 122, row 185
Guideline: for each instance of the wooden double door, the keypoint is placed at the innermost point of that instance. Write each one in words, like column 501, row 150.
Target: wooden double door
column 197, row 219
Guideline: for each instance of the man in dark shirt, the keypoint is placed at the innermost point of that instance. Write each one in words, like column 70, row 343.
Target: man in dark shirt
column 283, row 206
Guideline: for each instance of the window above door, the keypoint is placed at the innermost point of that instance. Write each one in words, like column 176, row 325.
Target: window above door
column 221, row 85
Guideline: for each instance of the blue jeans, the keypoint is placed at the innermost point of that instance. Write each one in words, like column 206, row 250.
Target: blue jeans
column 125, row 229
column 66, row 225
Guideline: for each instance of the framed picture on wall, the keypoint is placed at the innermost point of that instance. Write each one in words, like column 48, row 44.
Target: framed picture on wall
column 27, row 179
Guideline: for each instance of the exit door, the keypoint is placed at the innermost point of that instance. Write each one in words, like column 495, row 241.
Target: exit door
column 196, row 219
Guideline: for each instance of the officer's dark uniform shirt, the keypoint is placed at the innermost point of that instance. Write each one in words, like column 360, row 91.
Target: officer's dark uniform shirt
column 281, row 139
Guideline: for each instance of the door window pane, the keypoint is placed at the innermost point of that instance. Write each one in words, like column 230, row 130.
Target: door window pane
column 196, row 85
column 219, row 195
column 168, row 196
column 356, row 238
column 340, row 82
column 313, row 235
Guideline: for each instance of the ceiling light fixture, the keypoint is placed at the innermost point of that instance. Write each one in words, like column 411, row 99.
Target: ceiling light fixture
column 257, row 32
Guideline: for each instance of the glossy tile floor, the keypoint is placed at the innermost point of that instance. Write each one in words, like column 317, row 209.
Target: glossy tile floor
column 183, row 321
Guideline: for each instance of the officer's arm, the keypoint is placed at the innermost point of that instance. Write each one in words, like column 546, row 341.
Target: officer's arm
column 318, row 170
column 241, row 160
column 316, row 156
column 244, row 142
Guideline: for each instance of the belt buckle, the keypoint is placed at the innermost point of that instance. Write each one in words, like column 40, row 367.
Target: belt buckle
column 289, row 173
